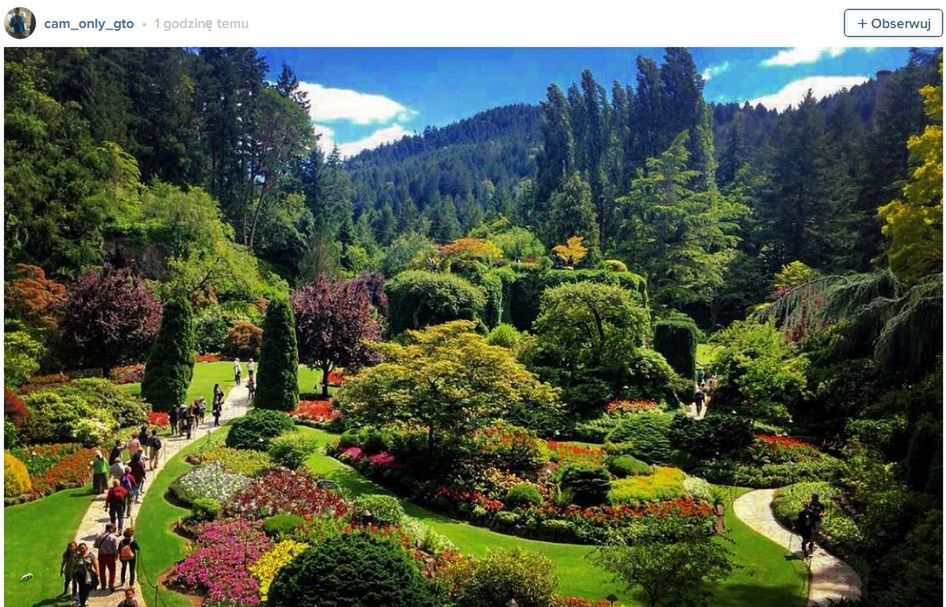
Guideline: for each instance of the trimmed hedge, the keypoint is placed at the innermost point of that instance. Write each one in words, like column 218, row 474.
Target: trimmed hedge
column 417, row 299
column 526, row 291
column 589, row 483
column 170, row 364
column 676, row 340
column 523, row 494
column 277, row 383
column 715, row 435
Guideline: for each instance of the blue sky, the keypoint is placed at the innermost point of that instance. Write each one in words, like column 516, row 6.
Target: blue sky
column 363, row 97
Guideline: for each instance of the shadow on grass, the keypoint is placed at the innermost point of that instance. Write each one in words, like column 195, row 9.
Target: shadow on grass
column 747, row 594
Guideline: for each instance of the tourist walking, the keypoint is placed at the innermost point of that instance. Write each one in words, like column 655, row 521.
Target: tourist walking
column 107, row 545
column 201, row 410
column 116, row 452
column 250, row 369
column 85, row 573
column 237, row 371
column 251, row 388
column 805, row 527
column 99, row 473
column 698, row 399
column 115, row 505
column 154, row 449
column 128, row 484
column 181, row 419
column 117, row 469
column 218, row 409
column 128, row 554
column 134, row 446
column 138, row 471
column 143, row 435
column 67, row 569
column 172, row 419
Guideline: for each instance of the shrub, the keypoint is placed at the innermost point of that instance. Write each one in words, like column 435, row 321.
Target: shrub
column 282, row 525
column 501, row 576
column 211, row 331
column 512, row 448
column 170, row 363
column 64, row 418
column 208, row 482
column 56, row 467
column 101, row 395
column 523, row 495
column 16, row 480
column 588, row 483
column 255, row 429
column 384, row 509
column 14, row 409
column 418, row 298
column 676, row 340
column 243, row 340
column 10, row 436
column 647, row 433
column 205, row 509
column 353, row 570
column 504, row 335
column 369, row 439
column 762, row 476
column 278, row 378
column 627, row 465
column 292, row 448
column 612, row 265
column 424, row 538
column 716, row 434
column 648, row 376
column 247, row 462
column 20, row 357
column 881, row 434
column 663, row 484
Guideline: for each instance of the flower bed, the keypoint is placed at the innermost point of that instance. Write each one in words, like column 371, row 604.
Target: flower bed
column 315, row 412
column 219, row 567
column 56, row 467
column 286, row 491
column 209, row 481
column 246, row 462
column 575, row 452
column 773, row 461
column 159, row 419
column 268, row 565
column 128, row 374
column 207, row 358
column 630, row 406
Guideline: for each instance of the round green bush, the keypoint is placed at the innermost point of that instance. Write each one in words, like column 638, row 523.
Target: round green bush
column 417, row 299
column 588, row 483
column 504, row 335
column 255, row 429
column 291, row 449
column 281, row 525
column 498, row 577
column 353, row 570
column 612, row 265
column 523, row 495
column 384, row 509
column 627, row 465
column 204, row 509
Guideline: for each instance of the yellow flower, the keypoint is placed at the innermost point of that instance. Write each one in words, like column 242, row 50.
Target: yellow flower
column 268, row 565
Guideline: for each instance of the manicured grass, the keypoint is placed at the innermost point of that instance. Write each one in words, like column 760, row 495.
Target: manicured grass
column 310, row 381
column 160, row 546
column 766, row 577
column 202, row 384
column 35, row 536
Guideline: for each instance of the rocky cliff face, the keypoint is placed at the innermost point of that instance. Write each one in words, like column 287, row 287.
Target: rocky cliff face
column 149, row 260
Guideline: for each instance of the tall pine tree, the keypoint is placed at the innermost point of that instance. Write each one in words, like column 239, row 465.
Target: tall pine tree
column 277, row 383
column 170, row 364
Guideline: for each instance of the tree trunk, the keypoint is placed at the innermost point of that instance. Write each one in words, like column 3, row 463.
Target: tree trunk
column 325, row 371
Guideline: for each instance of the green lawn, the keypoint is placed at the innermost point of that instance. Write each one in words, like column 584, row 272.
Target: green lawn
column 766, row 577
column 35, row 536
column 310, row 381
column 202, row 384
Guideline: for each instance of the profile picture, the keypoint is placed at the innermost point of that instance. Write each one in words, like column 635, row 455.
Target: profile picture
column 20, row 22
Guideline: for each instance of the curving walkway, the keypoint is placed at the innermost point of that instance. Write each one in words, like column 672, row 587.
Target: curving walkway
column 95, row 518
column 831, row 578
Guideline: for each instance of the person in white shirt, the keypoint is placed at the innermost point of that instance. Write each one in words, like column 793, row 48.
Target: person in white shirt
column 237, row 371
column 250, row 369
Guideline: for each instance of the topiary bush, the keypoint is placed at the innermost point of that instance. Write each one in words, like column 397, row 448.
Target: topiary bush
column 663, row 484
column 384, row 509
column 504, row 335
column 418, row 298
column 612, row 265
column 627, row 465
column 523, row 495
column 277, row 382
column 282, row 525
column 205, row 509
column 588, row 483
column 676, row 340
column 716, row 434
column 257, row 428
column 170, row 364
column 353, row 570
column 16, row 480
column 292, row 448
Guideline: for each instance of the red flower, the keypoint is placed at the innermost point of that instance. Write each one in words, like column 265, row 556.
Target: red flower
column 158, row 418
column 315, row 410
column 630, row 406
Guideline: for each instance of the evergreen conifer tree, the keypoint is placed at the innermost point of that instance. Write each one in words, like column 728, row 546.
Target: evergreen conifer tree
column 170, row 363
column 277, row 383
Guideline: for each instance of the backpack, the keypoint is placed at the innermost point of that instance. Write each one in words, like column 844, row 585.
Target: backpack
column 155, row 442
column 803, row 522
column 126, row 483
column 125, row 553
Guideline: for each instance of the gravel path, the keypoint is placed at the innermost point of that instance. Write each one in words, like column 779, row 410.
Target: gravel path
column 831, row 578
column 96, row 517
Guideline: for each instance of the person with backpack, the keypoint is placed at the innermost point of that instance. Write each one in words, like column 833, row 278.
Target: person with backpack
column 181, row 419
column 138, row 471
column 115, row 504
column 127, row 482
column 154, row 449
column 67, row 569
column 107, row 545
column 128, row 554
column 805, row 527
column 85, row 573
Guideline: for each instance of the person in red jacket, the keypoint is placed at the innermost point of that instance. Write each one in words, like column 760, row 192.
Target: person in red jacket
column 115, row 504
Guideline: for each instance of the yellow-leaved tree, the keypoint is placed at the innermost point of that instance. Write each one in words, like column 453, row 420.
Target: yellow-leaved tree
column 913, row 224
column 572, row 252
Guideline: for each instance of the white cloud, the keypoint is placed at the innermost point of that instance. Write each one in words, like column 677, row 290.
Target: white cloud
column 799, row 55
column 347, row 104
column 326, row 136
column 379, row 137
column 794, row 92
column 714, row 70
